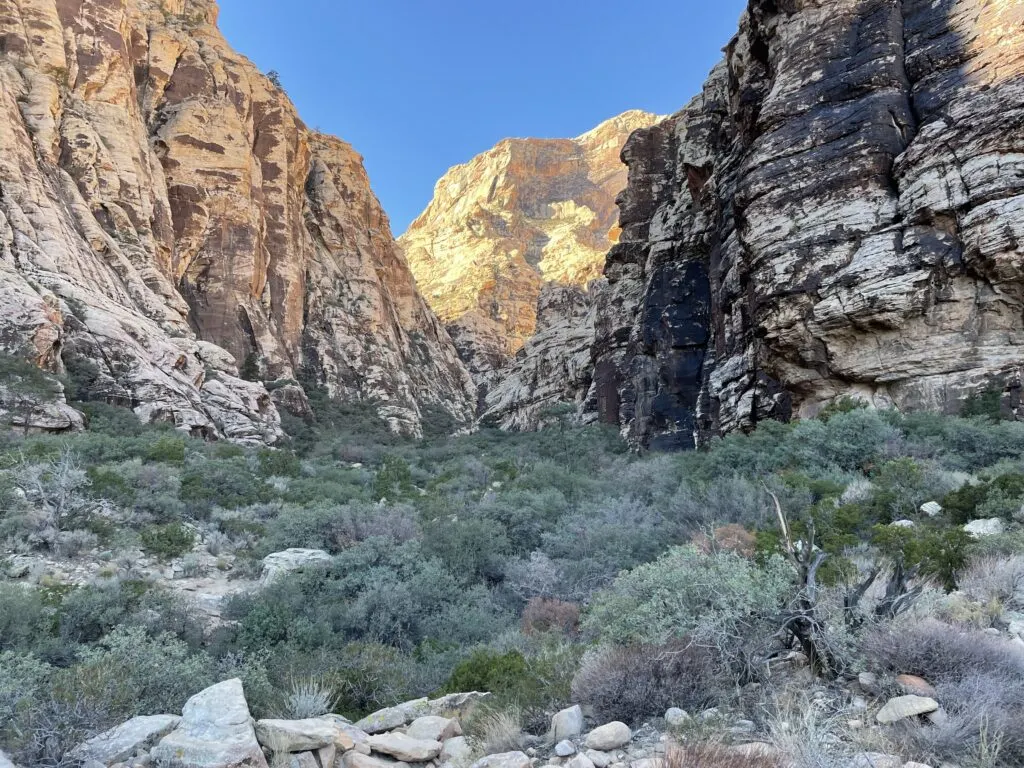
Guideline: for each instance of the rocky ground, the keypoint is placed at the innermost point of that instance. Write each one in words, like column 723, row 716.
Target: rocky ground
column 215, row 730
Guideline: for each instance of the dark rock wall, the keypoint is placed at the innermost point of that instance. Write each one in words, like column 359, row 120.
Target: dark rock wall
column 840, row 212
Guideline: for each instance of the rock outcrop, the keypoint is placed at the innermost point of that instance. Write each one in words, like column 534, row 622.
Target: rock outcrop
column 166, row 220
column 527, row 213
column 840, row 212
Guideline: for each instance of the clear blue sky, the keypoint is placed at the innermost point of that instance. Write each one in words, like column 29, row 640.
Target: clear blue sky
column 420, row 85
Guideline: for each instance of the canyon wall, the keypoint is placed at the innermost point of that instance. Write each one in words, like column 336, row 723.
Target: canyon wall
column 840, row 212
column 166, row 219
column 524, row 215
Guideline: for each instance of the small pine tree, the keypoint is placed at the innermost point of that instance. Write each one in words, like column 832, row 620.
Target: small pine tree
column 25, row 386
column 275, row 79
column 250, row 370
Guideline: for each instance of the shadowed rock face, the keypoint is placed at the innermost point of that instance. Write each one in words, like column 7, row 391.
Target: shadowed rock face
column 165, row 216
column 840, row 212
column 525, row 214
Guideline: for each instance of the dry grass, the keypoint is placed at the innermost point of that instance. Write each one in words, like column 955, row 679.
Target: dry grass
column 712, row 755
column 496, row 731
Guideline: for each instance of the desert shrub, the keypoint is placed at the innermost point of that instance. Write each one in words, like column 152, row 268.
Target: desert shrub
column 167, row 449
column 226, row 482
column 852, row 440
column 727, row 538
column 995, row 578
column 167, row 541
column 493, row 731
column 307, row 697
column 111, row 420
column 979, row 681
column 24, row 617
column 939, row 552
column 486, row 670
column 552, row 615
column 279, row 463
column 129, row 673
column 632, row 682
column 605, row 537
column 473, row 549
column 730, row 499
column 720, row 600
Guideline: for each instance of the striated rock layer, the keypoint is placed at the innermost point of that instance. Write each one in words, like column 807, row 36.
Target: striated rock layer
column 527, row 213
column 166, row 218
column 840, row 212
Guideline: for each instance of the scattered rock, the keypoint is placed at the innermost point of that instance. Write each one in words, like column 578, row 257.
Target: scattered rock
column 457, row 750
column 382, row 720
column 405, row 748
column 903, row 524
column 355, row 759
column 931, row 508
column 566, row 748
column 504, row 760
column 5, row 761
column 676, row 717
column 875, row 760
column 868, row 681
column 902, row 707
column 567, row 724
column 434, row 728
column 579, row 761
column 648, row 762
column 301, row 735
column 991, row 526
column 912, row 764
column 123, row 741
column 277, row 564
column 609, row 736
column 598, row 758
column 303, row 760
column 915, row 685
column 216, row 731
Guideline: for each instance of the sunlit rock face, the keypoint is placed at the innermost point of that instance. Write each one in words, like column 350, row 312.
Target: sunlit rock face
column 525, row 214
column 839, row 212
column 166, row 217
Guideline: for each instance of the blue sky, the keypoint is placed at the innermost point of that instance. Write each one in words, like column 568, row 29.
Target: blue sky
column 420, row 85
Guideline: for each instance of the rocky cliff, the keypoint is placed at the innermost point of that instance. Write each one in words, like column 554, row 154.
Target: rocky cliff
column 166, row 218
column 527, row 213
column 839, row 212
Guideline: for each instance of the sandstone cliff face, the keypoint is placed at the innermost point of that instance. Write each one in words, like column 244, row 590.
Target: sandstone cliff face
column 165, row 216
column 527, row 213
column 840, row 212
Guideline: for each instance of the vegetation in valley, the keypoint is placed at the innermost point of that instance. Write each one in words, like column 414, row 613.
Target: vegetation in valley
column 548, row 568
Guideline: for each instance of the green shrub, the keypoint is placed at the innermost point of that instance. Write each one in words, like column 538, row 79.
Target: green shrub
column 167, row 449
column 167, row 541
column 280, row 463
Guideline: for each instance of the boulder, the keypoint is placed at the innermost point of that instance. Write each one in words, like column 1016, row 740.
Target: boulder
column 579, row 761
column 567, row 724
column 915, row 685
column 360, row 738
column 565, row 748
column 405, row 748
column 383, row 720
column 609, row 736
column 124, row 740
column 454, row 704
column 327, row 755
column 676, row 717
column 991, row 526
column 415, row 708
column 277, row 564
column 902, row 707
column 875, row 760
column 216, row 731
column 355, row 759
column 931, row 508
column 912, row 764
column 457, row 750
column 281, row 736
column 504, row 760
column 303, row 760
column 434, row 728
column 648, row 762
